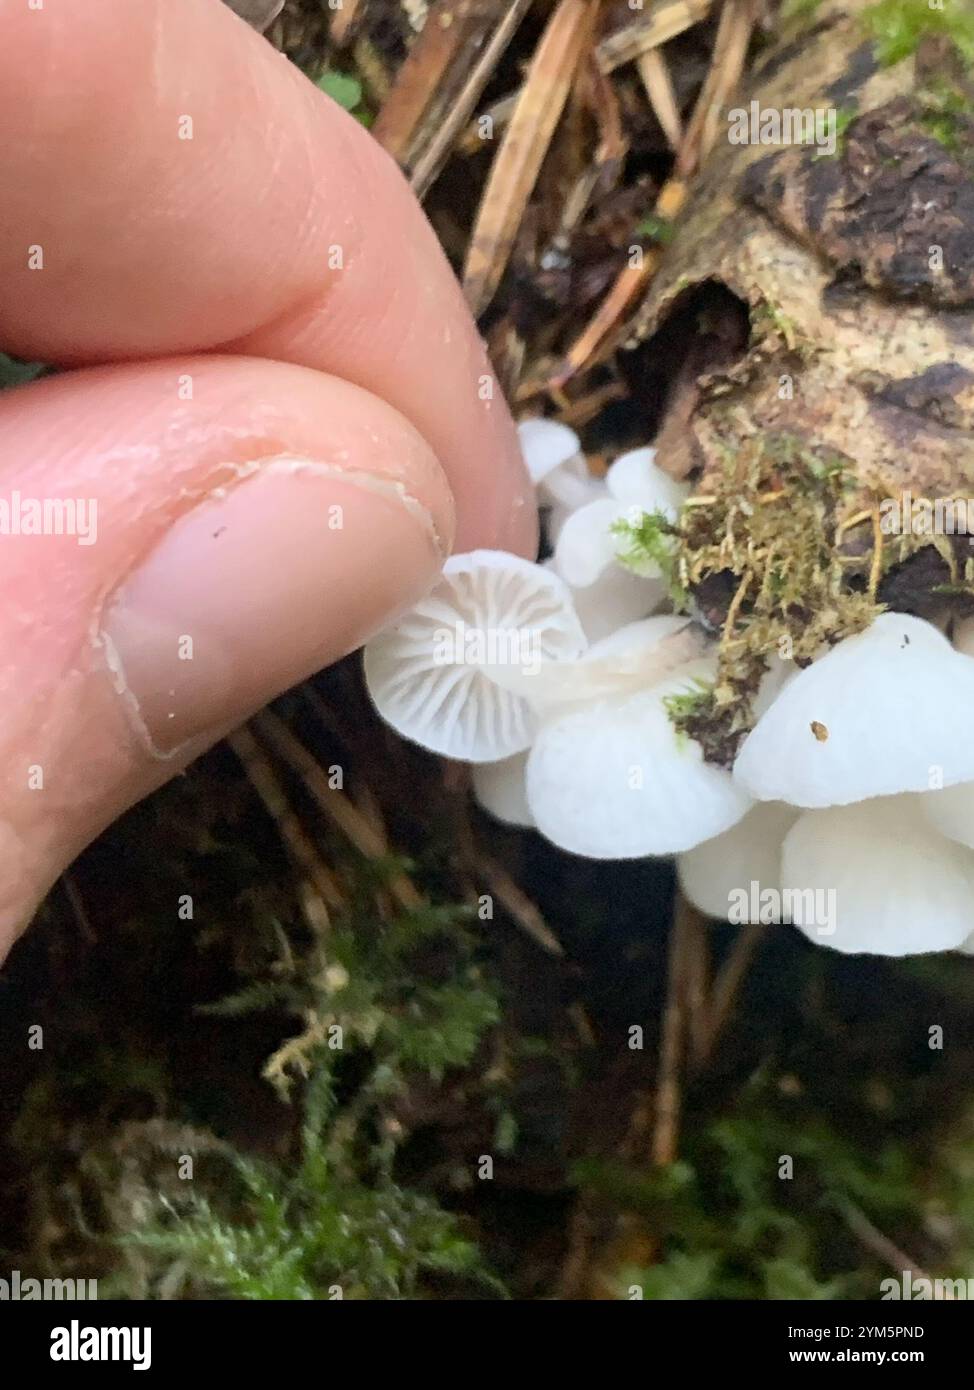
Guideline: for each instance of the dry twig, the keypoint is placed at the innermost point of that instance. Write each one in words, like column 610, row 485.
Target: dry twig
column 523, row 148
column 653, row 28
column 320, row 890
column 368, row 838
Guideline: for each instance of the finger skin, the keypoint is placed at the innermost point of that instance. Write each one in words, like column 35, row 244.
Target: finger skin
column 292, row 594
column 189, row 188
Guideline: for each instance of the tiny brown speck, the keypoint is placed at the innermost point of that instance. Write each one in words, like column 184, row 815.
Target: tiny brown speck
column 819, row 730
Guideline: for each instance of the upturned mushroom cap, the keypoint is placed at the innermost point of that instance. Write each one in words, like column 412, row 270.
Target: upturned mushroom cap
column 436, row 675
column 750, row 852
column 872, row 717
column 898, row 888
column 611, row 779
column 499, row 788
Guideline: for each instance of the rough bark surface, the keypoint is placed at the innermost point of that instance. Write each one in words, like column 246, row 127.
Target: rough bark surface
column 856, row 270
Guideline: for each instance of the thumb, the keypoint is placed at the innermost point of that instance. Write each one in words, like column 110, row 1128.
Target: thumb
column 180, row 541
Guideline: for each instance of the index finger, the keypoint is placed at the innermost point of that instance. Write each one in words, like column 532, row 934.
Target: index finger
column 173, row 184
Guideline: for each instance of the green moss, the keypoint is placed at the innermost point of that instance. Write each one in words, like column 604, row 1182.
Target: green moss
column 897, row 27
column 304, row 1229
column 765, row 533
column 689, row 704
column 768, row 1201
column 647, row 547
column 383, row 1007
column 844, row 117
column 947, row 115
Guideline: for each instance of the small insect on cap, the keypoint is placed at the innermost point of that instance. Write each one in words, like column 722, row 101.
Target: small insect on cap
column 880, row 713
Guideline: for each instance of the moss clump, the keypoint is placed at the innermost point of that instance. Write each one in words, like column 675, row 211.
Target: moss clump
column 648, row 547
column 747, row 1234
column 688, row 704
column 309, row 1228
column 765, row 536
column 897, row 27
column 197, row 1179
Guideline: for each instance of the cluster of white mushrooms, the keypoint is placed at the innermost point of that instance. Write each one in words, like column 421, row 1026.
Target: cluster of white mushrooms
column 850, row 806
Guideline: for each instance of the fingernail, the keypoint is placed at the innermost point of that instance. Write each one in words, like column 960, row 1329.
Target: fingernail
column 255, row 589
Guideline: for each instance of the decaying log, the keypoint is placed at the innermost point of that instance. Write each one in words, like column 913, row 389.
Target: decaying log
column 830, row 298
column 857, row 270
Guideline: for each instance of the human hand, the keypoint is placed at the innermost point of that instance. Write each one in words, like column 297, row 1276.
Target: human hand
column 274, row 427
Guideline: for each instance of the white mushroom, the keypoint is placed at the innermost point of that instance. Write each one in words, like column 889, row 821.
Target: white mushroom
column 749, row 853
column 951, row 811
column 546, row 445
column 875, row 877
column 875, row 716
column 612, row 779
column 635, row 478
column 615, row 600
column 436, row 675
column 554, row 459
column 499, row 789
column 587, row 545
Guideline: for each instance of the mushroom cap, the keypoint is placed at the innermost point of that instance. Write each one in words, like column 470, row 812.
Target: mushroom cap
column 750, row 852
column 951, row 812
column 613, row 780
column 585, row 546
column 899, row 888
column 546, row 445
column 564, row 490
column 436, row 675
column 635, row 479
column 615, row 600
column 499, row 788
column 870, row 718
